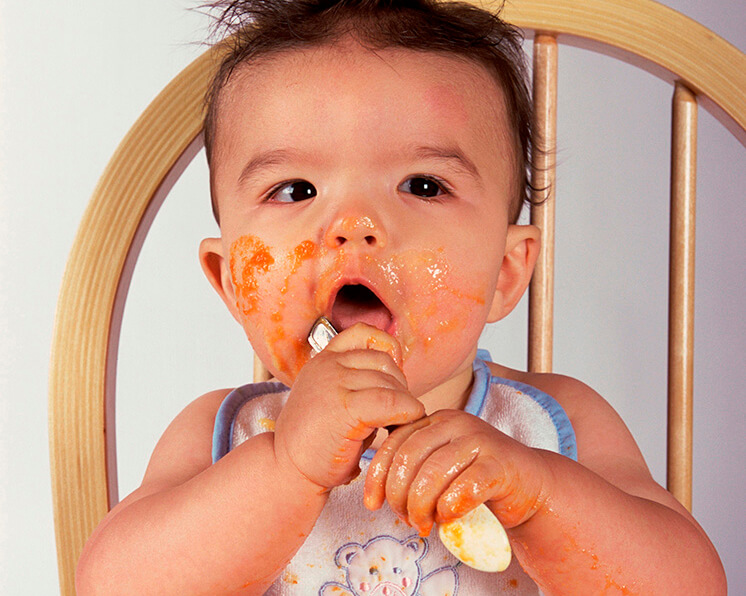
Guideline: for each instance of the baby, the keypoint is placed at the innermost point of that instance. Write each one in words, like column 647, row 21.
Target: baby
column 368, row 164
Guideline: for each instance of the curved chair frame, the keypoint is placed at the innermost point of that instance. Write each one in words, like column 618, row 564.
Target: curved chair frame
column 167, row 136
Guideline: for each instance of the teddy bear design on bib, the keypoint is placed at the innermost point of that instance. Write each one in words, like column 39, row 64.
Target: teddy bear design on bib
column 385, row 566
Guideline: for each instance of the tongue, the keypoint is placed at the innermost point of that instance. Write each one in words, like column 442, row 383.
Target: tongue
column 357, row 304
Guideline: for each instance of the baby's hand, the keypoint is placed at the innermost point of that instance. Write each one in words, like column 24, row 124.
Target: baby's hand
column 441, row 467
column 337, row 402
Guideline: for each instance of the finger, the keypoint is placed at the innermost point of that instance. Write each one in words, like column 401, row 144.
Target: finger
column 376, row 407
column 410, row 456
column 375, row 480
column 433, row 479
column 475, row 485
column 357, row 379
column 364, row 359
column 365, row 337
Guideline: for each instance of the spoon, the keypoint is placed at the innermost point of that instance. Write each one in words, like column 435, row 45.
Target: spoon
column 477, row 539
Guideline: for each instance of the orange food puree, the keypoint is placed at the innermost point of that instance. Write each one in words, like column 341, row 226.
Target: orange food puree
column 301, row 253
column 433, row 312
column 431, row 309
column 304, row 251
column 267, row 424
column 455, row 534
column 383, row 346
column 250, row 260
column 249, row 256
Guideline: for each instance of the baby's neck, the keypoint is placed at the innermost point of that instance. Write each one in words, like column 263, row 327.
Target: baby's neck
column 451, row 395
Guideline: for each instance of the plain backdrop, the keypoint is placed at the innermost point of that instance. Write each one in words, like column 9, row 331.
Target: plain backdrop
column 74, row 76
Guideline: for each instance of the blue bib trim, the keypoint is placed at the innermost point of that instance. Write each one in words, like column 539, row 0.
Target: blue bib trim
column 222, row 435
column 226, row 416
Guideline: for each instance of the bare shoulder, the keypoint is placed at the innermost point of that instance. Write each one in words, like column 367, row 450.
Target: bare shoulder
column 605, row 444
column 185, row 448
column 579, row 401
column 183, row 451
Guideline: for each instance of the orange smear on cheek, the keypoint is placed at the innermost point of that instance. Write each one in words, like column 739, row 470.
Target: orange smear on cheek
column 301, row 253
column 304, row 251
column 429, row 316
column 298, row 351
column 249, row 257
column 250, row 262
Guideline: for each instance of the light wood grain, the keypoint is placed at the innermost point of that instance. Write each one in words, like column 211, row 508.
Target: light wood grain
column 541, row 291
column 648, row 33
column 681, row 294
column 261, row 372
column 81, row 345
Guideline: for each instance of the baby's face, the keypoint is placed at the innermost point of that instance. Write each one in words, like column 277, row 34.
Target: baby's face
column 367, row 187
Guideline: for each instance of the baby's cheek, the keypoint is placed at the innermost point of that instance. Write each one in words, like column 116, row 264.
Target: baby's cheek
column 251, row 260
column 269, row 298
column 445, row 316
column 448, row 306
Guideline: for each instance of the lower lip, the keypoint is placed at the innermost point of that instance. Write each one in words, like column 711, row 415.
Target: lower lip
column 345, row 313
column 380, row 321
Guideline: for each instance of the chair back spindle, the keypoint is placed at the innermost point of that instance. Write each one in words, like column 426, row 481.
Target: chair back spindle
column 261, row 372
column 681, row 293
column 541, row 291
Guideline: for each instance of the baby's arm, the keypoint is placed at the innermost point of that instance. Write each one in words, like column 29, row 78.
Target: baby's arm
column 197, row 528
column 193, row 528
column 606, row 522
column 598, row 526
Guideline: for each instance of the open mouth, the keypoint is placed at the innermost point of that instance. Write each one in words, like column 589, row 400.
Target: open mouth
column 356, row 303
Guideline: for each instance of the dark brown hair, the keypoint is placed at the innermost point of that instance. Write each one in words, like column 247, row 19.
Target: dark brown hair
column 256, row 28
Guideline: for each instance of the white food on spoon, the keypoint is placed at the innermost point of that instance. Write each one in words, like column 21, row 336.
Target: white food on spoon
column 477, row 539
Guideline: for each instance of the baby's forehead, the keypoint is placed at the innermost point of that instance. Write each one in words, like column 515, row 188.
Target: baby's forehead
column 457, row 86
column 350, row 108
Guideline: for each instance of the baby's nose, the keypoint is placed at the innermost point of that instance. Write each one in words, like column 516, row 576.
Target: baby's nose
column 355, row 230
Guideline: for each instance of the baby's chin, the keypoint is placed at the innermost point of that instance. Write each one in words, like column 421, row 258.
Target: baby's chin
column 431, row 367
column 283, row 354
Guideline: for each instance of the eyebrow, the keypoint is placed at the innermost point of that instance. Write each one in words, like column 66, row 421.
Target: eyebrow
column 449, row 154
column 452, row 155
column 263, row 161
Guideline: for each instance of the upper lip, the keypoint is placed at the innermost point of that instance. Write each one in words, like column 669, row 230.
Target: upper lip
column 368, row 279
column 352, row 281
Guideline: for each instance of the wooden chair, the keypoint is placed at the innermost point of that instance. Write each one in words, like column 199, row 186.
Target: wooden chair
column 703, row 68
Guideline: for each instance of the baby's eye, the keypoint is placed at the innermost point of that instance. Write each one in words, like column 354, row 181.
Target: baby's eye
column 292, row 192
column 425, row 187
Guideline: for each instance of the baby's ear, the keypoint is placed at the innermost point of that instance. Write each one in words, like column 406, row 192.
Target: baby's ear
column 521, row 251
column 215, row 267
